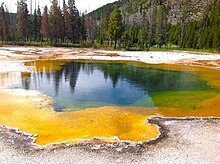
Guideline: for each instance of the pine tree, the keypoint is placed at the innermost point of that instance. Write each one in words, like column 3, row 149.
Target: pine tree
column 66, row 16
column 216, row 25
column 60, row 25
column 192, row 34
column 174, row 32
column 54, row 10
column 152, row 22
column 45, row 28
column 3, row 23
column 143, row 33
column 8, row 26
column 105, row 25
column 142, row 37
column 56, row 23
column 161, row 29
column 125, row 38
column 39, row 17
column 186, row 10
column 73, row 33
column 23, row 21
column 115, row 30
column 90, row 24
column 83, row 28
column 203, row 24
column 36, row 24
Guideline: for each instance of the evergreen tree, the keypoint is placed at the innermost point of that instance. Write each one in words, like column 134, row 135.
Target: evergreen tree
column 142, row 37
column 39, row 17
column 56, row 23
column 161, row 29
column 83, row 28
column 90, row 24
column 152, row 22
column 36, row 24
column 66, row 16
column 115, row 30
column 73, row 30
column 192, row 34
column 143, row 32
column 45, row 28
column 203, row 24
column 134, row 31
column 4, row 33
column 215, row 21
column 125, row 38
column 23, row 21
column 174, row 32
column 186, row 10
column 105, row 23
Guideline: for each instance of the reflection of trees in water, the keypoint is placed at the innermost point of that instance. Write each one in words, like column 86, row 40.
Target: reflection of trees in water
column 112, row 71
column 26, row 80
column 143, row 78
column 69, row 72
column 4, row 78
column 9, row 78
column 152, row 79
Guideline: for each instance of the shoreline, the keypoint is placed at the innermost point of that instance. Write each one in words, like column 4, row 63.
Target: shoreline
column 28, row 140
column 178, row 145
column 17, row 55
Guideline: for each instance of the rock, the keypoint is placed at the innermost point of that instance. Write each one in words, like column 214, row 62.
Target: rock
column 133, row 144
column 119, row 149
column 96, row 147
column 96, row 139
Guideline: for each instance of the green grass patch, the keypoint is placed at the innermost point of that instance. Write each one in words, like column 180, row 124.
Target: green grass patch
column 181, row 99
column 184, row 49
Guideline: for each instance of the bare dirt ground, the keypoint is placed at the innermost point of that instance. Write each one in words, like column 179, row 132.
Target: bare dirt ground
column 188, row 140
column 15, row 54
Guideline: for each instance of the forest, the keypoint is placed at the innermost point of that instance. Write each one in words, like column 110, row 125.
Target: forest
column 124, row 24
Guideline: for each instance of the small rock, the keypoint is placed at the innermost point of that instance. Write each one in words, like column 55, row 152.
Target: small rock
column 96, row 139
column 119, row 149
column 85, row 141
column 133, row 144
column 96, row 147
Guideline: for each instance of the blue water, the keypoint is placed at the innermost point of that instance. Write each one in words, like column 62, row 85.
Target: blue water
column 80, row 85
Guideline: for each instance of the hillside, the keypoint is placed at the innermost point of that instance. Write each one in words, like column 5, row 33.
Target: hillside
column 132, row 9
column 183, row 23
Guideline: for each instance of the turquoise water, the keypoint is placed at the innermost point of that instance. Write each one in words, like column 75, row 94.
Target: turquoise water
column 80, row 85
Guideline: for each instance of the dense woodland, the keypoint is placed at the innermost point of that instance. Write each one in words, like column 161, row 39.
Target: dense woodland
column 163, row 23
column 139, row 24
column 55, row 25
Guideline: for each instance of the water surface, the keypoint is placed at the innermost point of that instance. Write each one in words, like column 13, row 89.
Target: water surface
column 79, row 85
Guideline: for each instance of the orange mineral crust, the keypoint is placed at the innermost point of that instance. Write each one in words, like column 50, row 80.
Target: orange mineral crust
column 30, row 112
